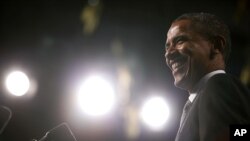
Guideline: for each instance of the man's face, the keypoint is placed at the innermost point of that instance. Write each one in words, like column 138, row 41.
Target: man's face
column 187, row 54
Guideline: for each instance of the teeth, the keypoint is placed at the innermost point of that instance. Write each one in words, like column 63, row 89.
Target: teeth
column 175, row 65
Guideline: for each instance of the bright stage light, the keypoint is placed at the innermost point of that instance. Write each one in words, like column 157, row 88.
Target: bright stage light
column 17, row 83
column 155, row 113
column 96, row 96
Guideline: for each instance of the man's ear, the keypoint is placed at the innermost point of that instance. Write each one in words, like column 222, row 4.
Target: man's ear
column 219, row 44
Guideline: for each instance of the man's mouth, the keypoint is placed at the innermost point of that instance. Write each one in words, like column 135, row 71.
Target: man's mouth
column 175, row 66
column 178, row 64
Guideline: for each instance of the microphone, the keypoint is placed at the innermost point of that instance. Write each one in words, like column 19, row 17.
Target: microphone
column 5, row 116
column 61, row 132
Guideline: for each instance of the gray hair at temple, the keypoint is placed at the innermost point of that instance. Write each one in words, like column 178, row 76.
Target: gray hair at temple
column 210, row 27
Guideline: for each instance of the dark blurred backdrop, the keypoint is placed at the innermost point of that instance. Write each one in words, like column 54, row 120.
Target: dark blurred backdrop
column 57, row 41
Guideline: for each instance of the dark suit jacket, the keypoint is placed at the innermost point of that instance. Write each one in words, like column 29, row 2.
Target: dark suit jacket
column 222, row 101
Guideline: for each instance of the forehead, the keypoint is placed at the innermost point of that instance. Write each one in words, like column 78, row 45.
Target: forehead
column 179, row 27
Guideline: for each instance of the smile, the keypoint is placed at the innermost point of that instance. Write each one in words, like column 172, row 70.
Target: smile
column 177, row 64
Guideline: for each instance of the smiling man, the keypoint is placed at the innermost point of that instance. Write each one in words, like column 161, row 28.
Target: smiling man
column 197, row 49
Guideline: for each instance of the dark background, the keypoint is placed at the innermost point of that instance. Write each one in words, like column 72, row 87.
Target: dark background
column 46, row 38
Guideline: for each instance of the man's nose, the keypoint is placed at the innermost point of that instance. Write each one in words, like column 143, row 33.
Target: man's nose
column 170, row 52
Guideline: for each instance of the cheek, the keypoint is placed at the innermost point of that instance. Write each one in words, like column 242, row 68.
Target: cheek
column 186, row 50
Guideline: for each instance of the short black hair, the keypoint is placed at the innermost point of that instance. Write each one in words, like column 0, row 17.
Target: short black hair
column 210, row 27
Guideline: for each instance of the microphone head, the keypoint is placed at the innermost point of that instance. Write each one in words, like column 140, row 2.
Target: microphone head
column 61, row 132
column 5, row 116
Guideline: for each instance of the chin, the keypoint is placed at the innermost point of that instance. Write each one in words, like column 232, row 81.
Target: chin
column 182, row 83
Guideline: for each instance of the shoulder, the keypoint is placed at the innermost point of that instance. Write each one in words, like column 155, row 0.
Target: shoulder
column 225, row 83
column 224, row 78
column 223, row 92
column 223, row 101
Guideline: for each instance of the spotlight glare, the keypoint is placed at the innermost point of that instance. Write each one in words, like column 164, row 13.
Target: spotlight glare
column 96, row 96
column 17, row 83
column 155, row 113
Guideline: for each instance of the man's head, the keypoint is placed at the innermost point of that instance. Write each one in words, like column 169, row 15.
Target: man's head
column 197, row 43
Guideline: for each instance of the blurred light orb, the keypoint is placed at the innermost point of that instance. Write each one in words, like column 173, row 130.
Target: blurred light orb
column 96, row 96
column 17, row 83
column 155, row 113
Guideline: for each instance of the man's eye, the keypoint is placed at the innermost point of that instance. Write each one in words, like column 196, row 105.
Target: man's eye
column 180, row 41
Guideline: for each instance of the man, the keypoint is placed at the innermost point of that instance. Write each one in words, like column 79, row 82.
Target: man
column 197, row 49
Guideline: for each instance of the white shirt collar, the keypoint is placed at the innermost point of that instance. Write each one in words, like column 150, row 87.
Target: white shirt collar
column 209, row 75
column 202, row 82
column 192, row 97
